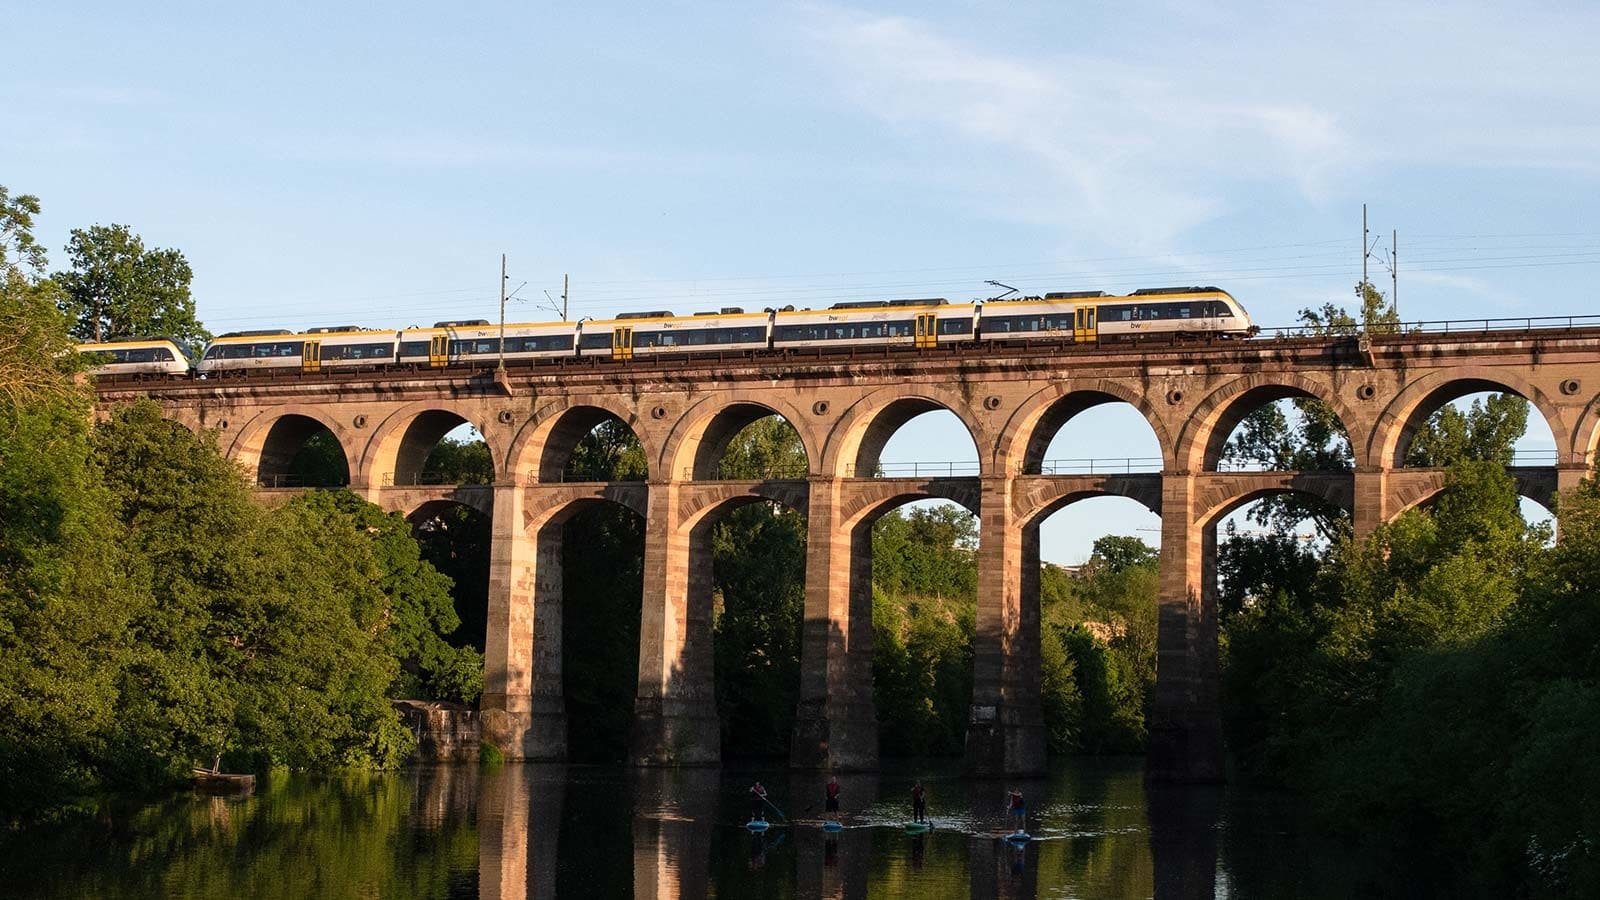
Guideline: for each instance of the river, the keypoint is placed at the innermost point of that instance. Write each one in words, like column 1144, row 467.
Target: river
column 599, row 832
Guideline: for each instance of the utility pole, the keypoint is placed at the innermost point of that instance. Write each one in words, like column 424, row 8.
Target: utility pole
column 1363, row 253
column 502, row 367
column 1394, row 271
column 564, row 286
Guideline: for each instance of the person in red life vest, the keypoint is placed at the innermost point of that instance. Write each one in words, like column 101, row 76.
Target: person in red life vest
column 1017, row 809
column 919, row 802
column 832, row 798
column 758, row 802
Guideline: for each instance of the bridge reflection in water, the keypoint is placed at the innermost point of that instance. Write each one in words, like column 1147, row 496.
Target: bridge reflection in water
column 1100, row 830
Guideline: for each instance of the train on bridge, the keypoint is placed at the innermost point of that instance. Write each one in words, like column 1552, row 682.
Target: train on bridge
column 1079, row 316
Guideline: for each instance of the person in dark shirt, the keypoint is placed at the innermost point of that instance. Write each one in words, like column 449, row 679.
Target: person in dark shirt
column 919, row 802
column 758, row 801
column 1017, row 809
column 832, row 798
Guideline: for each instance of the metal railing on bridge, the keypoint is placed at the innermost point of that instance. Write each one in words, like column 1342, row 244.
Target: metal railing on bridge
column 430, row 479
column 273, row 482
column 1438, row 326
column 1125, row 465
column 1521, row 458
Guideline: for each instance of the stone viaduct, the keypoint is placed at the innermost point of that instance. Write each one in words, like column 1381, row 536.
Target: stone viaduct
column 845, row 408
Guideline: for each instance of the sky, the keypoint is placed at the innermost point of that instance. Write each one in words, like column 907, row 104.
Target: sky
column 370, row 164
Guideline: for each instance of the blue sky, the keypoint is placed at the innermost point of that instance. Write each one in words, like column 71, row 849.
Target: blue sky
column 370, row 164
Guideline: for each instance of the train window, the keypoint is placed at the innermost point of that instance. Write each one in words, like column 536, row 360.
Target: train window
column 542, row 343
column 413, row 348
column 955, row 326
column 161, row 354
column 595, row 340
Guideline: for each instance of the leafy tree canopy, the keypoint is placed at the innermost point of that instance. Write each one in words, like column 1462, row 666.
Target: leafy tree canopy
column 116, row 289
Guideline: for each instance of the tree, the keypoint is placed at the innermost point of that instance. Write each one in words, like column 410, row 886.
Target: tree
column 1117, row 553
column 1489, row 430
column 116, row 289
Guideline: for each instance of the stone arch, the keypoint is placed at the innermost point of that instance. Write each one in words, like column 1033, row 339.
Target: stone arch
column 543, row 445
column 856, row 441
column 1533, row 483
column 1033, row 507
column 872, row 501
column 1215, row 509
column 700, row 437
column 401, row 443
column 1027, row 433
column 271, row 438
column 694, row 505
column 1390, row 439
column 479, row 498
column 1206, row 433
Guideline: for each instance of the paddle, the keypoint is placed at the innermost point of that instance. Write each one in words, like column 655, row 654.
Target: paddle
column 775, row 809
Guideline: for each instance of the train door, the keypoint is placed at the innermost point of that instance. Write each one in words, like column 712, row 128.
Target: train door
column 1085, row 328
column 439, row 351
column 311, row 357
column 622, row 342
column 927, row 330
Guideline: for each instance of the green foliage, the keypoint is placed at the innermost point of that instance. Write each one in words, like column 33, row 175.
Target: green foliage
column 1489, row 430
column 455, row 540
column 758, row 570
column 319, row 462
column 459, row 462
column 609, row 452
column 117, row 289
column 420, row 608
column 1434, row 688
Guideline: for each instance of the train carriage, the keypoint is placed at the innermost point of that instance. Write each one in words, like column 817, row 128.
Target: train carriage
column 138, row 356
column 661, row 333
column 476, row 341
column 1096, row 315
column 338, row 347
column 909, row 323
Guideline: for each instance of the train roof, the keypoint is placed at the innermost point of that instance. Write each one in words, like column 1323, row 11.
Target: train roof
column 1148, row 292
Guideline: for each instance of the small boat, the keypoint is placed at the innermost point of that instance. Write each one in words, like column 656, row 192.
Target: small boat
column 214, row 782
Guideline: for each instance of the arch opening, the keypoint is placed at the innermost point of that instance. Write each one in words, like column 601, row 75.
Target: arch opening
column 914, row 566
column 588, row 443
column 1475, row 419
column 438, row 447
column 915, row 438
column 748, row 441
column 1093, row 563
column 299, row 451
column 747, row 579
column 1279, row 428
column 591, row 557
column 455, row 539
column 1092, row 433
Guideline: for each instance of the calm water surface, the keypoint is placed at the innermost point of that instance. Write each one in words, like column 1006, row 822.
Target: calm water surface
column 579, row 831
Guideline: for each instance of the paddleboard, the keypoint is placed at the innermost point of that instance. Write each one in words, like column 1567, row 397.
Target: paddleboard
column 1019, row 837
column 917, row 827
column 832, row 826
column 757, row 825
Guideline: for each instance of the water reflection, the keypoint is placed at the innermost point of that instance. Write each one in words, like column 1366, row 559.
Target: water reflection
column 577, row 831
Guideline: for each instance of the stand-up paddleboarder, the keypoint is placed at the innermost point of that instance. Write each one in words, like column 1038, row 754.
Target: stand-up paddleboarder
column 758, row 802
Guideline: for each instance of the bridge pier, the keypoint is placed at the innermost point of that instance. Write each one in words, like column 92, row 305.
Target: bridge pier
column 675, row 719
column 1005, row 726
column 1186, row 719
column 836, row 720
